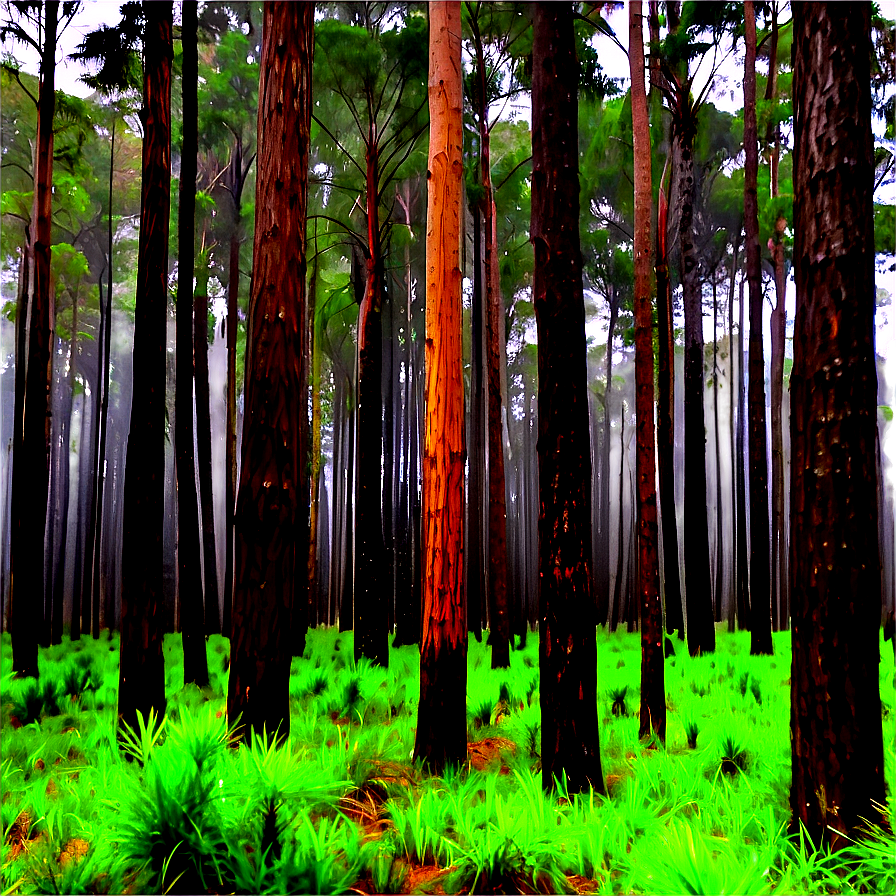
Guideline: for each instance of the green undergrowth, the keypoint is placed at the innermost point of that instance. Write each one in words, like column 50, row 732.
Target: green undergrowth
column 341, row 806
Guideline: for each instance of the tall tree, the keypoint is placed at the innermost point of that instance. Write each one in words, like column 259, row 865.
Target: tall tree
column 441, row 722
column 567, row 649
column 272, row 498
column 499, row 618
column 835, row 571
column 684, row 107
column 653, row 696
column 760, row 595
column 376, row 74
column 142, row 673
column 31, row 464
column 188, row 541
column 665, row 374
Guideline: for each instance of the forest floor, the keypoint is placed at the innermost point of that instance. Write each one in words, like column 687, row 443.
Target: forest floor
column 342, row 808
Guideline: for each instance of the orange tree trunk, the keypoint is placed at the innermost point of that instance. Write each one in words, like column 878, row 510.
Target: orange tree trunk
column 188, row 538
column 760, row 597
column 653, row 697
column 142, row 670
column 441, row 720
column 835, row 571
column 567, row 650
column 272, row 499
column 31, row 469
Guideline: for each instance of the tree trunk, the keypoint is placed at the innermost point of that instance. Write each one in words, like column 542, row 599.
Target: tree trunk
column 665, row 424
column 270, row 514
column 475, row 554
column 188, row 534
column 760, row 599
column 31, row 468
column 142, row 673
column 371, row 635
column 698, row 592
column 835, row 700
column 653, row 696
column 442, row 716
column 567, row 650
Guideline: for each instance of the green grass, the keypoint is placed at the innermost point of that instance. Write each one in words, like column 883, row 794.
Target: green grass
column 340, row 806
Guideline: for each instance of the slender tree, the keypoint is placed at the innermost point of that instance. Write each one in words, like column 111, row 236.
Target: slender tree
column 31, row 465
column 760, row 596
column 653, row 696
column 142, row 673
column 567, row 649
column 836, row 734
column 272, row 499
column 188, row 535
column 441, row 722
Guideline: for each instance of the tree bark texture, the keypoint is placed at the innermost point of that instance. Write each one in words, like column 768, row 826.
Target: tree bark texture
column 371, row 631
column 442, row 719
column 188, row 530
column 31, row 469
column 698, row 592
column 272, row 499
column 567, row 650
column 142, row 673
column 653, row 696
column 835, row 571
column 760, row 594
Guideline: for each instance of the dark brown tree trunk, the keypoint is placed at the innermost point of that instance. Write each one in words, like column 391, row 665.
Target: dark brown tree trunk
column 779, row 585
column 665, row 425
column 188, row 534
column 31, row 468
column 760, row 598
column 567, row 650
column 442, row 716
column 475, row 559
column 743, row 584
column 653, row 695
column 835, row 573
column 142, row 671
column 698, row 592
column 272, row 500
column 371, row 635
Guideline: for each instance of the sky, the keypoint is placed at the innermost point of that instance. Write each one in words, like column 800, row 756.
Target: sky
column 727, row 96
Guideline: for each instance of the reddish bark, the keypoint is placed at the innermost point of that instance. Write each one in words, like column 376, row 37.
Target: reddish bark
column 567, row 650
column 836, row 734
column 441, row 722
column 272, row 499
column 142, row 673
column 653, row 697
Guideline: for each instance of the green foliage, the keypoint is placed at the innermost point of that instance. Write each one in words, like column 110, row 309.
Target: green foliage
column 196, row 815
